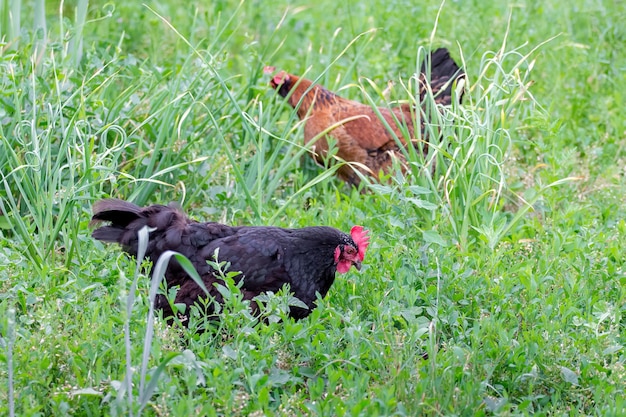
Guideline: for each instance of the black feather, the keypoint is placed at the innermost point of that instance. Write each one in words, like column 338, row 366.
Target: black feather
column 443, row 72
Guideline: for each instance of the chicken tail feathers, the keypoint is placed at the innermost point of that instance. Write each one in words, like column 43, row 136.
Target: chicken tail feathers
column 118, row 212
column 166, row 224
column 442, row 64
column 443, row 72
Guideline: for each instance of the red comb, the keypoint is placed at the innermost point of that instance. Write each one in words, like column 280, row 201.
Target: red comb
column 361, row 239
column 268, row 69
column 280, row 78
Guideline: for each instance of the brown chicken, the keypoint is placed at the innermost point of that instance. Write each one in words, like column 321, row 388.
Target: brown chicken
column 268, row 258
column 359, row 133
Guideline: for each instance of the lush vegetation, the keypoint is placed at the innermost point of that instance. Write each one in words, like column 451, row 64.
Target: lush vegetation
column 494, row 284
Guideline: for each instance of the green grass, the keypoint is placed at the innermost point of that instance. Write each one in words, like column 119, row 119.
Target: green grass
column 500, row 256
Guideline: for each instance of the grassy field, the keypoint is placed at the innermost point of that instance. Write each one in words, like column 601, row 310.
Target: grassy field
column 503, row 262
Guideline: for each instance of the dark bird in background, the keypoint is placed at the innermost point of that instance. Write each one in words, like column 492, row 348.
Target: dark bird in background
column 268, row 257
column 360, row 134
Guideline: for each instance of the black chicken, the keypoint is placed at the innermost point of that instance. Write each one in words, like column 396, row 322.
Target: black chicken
column 267, row 257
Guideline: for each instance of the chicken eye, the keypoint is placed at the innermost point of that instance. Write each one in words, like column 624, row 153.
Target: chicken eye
column 350, row 250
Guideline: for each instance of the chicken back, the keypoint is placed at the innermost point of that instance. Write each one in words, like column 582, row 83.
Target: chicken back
column 360, row 134
column 267, row 257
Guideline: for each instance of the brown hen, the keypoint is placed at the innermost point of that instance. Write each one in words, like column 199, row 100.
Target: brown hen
column 358, row 130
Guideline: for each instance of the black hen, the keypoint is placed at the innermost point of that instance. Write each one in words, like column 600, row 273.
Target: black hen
column 267, row 257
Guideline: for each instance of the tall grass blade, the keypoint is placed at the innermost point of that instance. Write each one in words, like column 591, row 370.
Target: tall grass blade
column 76, row 41
column 40, row 35
column 15, row 25
column 9, row 339
column 142, row 245
column 10, row 14
column 146, row 390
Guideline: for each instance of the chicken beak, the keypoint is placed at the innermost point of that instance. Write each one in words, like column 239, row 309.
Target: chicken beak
column 357, row 265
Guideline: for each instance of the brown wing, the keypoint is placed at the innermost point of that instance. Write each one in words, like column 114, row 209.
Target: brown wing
column 361, row 136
